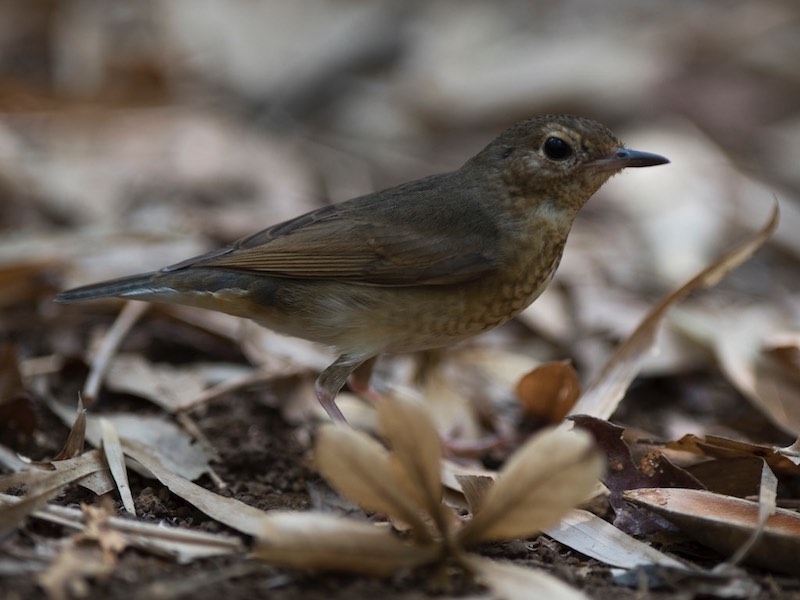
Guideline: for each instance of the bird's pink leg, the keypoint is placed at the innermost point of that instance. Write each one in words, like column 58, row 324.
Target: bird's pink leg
column 332, row 379
column 328, row 402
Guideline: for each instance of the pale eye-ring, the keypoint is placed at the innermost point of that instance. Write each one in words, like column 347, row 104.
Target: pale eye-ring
column 556, row 149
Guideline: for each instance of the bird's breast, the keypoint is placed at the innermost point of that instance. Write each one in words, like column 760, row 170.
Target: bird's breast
column 440, row 315
column 521, row 280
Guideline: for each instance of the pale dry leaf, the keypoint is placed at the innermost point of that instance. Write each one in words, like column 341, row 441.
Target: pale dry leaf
column 307, row 540
column 229, row 511
column 131, row 312
column 466, row 385
column 452, row 472
column 77, row 435
column 41, row 485
column 474, row 488
column 737, row 338
column 451, row 408
column 767, row 504
column 725, row 523
column 792, row 452
column 177, row 449
column 14, row 510
column 68, row 471
column 359, row 468
column 590, row 535
column 174, row 446
column 514, row 582
column 168, row 386
column 228, row 379
column 100, row 481
column 416, row 452
column 552, row 472
column 746, row 211
column 603, row 395
column 116, row 464
column 184, row 545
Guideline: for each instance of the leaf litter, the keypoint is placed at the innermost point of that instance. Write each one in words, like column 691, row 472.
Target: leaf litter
column 531, row 493
column 93, row 193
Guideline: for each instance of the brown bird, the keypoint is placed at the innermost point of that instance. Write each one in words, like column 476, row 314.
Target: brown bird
column 417, row 266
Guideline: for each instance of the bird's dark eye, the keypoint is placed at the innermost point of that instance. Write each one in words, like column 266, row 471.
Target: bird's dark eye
column 556, row 149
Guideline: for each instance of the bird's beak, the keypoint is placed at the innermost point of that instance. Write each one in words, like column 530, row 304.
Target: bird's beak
column 625, row 157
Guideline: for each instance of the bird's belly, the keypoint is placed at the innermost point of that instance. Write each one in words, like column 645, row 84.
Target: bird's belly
column 357, row 318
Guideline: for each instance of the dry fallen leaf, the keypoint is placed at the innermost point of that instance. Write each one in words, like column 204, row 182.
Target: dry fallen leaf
column 603, row 395
column 415, row 459
column 741, row 339
column 474, row 488
column 176, row 449
column 779, row 459
column 231, row 512
column 360, row 468
column 77, row 436
column 184, row 545
column 549, row 392
column 515, row 582
column 552, row 472
column 735, row 476
column 590, row 535
column 653, row 470
column 41, row 485
column 725, row 523
column 767, row 498
column 549, row 474
column 167, row 386
column 112, row 449
column 331, row 543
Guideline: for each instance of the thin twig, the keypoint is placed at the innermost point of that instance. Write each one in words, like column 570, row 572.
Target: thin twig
column 126, row 319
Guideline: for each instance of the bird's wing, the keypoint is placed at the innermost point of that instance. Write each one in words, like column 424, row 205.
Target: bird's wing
column 378, row 247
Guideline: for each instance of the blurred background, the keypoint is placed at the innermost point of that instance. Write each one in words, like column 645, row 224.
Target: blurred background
column 135, row 134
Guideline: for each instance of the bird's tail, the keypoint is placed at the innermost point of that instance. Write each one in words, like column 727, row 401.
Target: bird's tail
column 142, row 286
